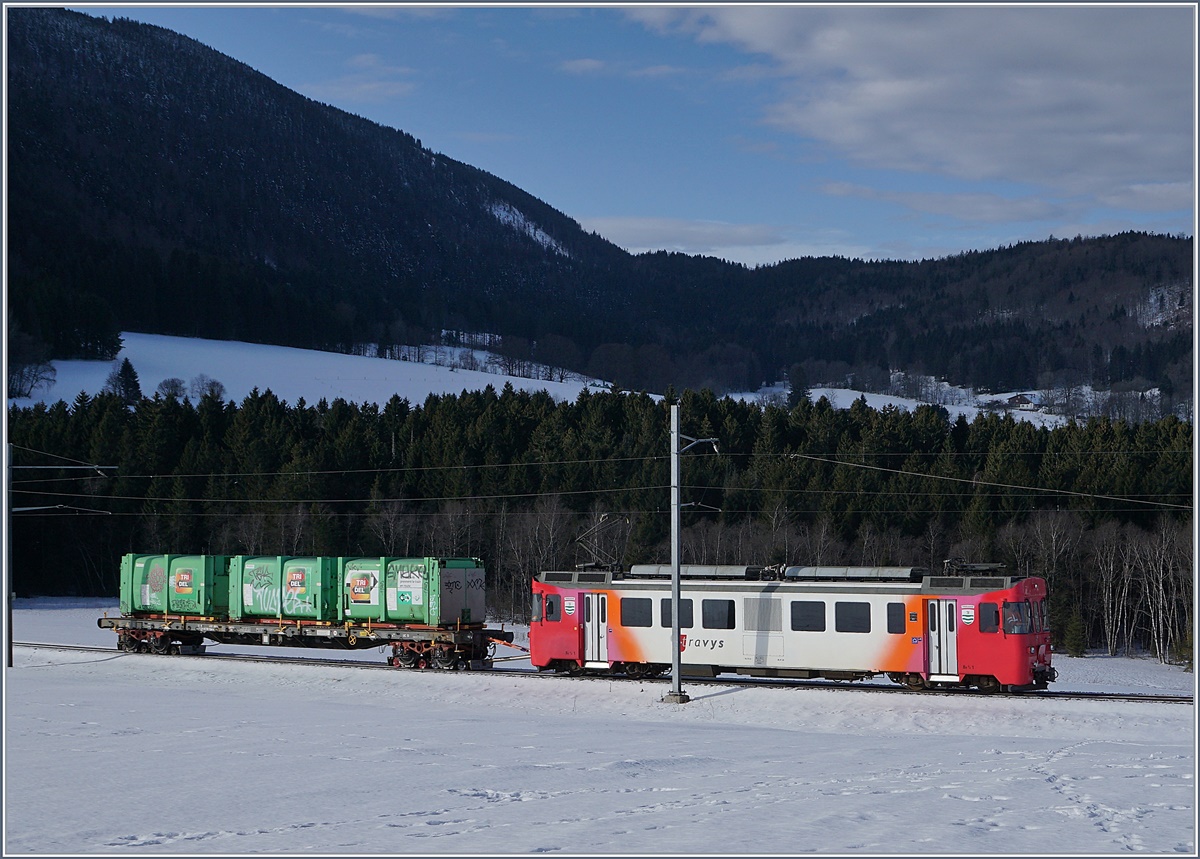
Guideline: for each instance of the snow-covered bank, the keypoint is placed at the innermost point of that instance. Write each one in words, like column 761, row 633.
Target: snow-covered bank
column 289, row 373
column 294, row 373
column 182, row 756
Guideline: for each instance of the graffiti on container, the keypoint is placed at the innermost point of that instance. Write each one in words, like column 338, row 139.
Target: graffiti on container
column 261, row 591
column 157, row 579
column 153, row 589
column 258, row 591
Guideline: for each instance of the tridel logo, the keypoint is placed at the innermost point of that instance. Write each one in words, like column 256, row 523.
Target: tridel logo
column 295, row 582
column 361, row 587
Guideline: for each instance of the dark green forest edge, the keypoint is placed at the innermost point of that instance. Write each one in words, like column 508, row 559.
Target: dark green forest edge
column 1101, row 509
column 156, row 185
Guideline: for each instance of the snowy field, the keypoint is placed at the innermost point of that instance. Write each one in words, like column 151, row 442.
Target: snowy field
column 289, row 373
column 137, row 754
column 294, row 373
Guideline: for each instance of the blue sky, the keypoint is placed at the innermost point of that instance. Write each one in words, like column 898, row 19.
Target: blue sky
column 761, row 133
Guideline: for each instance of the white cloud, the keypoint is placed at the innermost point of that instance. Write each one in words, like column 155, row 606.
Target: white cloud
column 677, row 234
column 1086, row 101
column 981, row 207
column 750, row 244
column 583, row 66
column 370, row 79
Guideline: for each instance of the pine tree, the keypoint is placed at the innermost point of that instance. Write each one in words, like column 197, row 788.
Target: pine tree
column 1075, row 637
column 123, row 381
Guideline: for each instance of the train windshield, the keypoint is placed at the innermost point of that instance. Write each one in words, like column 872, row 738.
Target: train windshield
column 1017, row 618
column 537, row 608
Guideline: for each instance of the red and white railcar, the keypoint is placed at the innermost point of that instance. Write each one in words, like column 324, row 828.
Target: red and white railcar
column 972, row 626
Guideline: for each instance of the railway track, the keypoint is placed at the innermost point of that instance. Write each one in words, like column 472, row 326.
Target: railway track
column 732, row 680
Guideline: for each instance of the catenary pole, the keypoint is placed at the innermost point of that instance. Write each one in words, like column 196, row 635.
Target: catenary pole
column 677, row 695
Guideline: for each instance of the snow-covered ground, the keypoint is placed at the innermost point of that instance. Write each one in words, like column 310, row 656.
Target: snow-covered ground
column 294, row 373
column 137, row 754
column 289, row 373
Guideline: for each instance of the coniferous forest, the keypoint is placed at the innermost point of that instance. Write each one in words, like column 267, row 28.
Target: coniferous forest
column 516, row 478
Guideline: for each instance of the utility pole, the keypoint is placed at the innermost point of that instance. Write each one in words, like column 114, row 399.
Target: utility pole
column 677, row 695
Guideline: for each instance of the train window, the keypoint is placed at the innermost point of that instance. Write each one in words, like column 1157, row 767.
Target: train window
column 537, row 608
column 808, row 616
column 637, row 611
column 717, row 614
column 603, row 610
column 685, row 613
column 763, row 615
column 852, row 616
column 553, row 607
column 1016, row 618
column 989, row 617
column 587, row 611
column 895, row 618
column 1040, row 620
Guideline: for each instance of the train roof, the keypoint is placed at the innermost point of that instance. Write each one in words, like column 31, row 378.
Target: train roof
column 957, row 576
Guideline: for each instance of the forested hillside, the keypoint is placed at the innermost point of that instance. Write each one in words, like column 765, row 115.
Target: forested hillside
column 1102, row 509
column 157, row 185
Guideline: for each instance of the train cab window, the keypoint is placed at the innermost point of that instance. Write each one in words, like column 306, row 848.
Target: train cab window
column 1041, row 623
column 685, row 613
column 852, row 616
column 553, row 607
column 895, row 618
column 808, row 616
column 1016, row 618
column 717, row 614
column 989, row 617
column 636, row 611
column 537, row 608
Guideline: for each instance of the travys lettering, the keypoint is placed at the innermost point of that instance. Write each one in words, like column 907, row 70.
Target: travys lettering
column 706, row 643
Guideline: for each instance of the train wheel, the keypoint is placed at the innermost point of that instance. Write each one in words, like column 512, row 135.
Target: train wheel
column 443, row 659
column 128, row 643
column 160, row 645
column 989, row 684
column 915, row 683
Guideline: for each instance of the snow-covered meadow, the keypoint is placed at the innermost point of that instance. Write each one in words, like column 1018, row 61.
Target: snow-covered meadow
column 136, row 754
column 288, row 373
column 294, row 373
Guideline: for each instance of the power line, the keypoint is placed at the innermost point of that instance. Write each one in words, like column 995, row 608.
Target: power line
column 976, row 482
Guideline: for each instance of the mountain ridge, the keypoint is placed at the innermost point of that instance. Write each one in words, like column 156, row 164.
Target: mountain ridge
column 159, row 185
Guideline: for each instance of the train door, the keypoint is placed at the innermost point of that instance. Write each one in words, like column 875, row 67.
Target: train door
column 942, row 634
column 595, row 629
